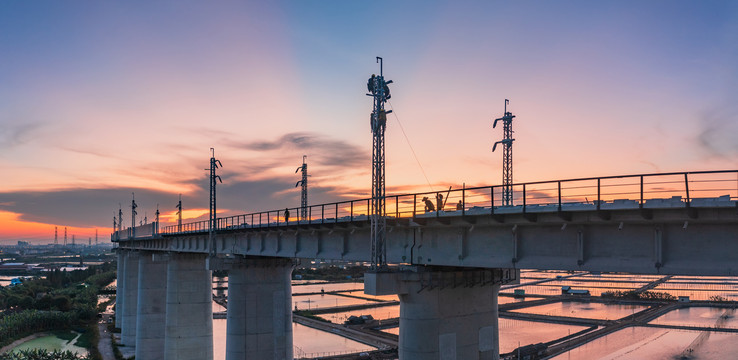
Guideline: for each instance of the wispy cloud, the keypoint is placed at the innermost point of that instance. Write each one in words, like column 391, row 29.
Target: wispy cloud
column 14, row 135
column 328, row 152
column 719, row 130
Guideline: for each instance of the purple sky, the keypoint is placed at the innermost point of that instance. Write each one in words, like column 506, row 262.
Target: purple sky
column 101, row 99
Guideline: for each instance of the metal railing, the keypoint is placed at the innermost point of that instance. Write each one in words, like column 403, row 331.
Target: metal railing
column 677, row 189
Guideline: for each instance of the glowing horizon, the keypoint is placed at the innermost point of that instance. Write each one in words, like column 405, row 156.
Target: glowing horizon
column 99, row 100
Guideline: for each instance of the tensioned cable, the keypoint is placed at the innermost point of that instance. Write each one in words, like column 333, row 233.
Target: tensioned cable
column 410, row 145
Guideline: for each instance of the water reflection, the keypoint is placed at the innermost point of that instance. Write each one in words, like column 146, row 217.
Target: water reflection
column 699, row 316
column 589, row 310
column 305, row 340
column 638, row 343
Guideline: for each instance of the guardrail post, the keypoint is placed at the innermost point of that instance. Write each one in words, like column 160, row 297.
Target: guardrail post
column 686, row 187
column 640, row 204
column 415, row 204
column 352, row 211
column 523, row 198
column 322, row 214
column 492, row 199
column 336, row 212
column 559, row 195
column 463, row 200
column 598, row 194
column 397, row 206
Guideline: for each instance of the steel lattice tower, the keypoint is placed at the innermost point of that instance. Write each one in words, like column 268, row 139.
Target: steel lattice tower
column 120, row 219
column 133, row 215
column 179, row 214
column 304, row 183
column 507, row 161
column 214, row 164
column 56, row 235
column 377, row 86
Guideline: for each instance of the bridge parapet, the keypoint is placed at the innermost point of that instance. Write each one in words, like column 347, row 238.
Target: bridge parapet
column 601, row 194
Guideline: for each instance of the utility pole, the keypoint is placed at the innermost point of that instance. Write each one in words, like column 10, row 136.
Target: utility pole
column 214, row 164
column 133, row 215
column 379, row 90
column 507, row 164
column 179, row 214
column 304, row 182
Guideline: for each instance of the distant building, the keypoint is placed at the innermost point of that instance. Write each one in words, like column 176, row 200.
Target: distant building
column 567, row 290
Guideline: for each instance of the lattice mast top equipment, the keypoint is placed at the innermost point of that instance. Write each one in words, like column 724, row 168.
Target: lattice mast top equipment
column 507, row 161
column 133, row 214
column 214, row 164
column 179, row 214
column 304, row 183
column 120, row 217
column 379, row 90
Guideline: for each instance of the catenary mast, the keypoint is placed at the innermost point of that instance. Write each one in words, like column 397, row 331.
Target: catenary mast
column 379, row 90
column 214, row 164
column 507, row 164
column 304, row 183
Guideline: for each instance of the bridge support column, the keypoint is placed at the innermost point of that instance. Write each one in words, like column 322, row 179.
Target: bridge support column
column 130, row 298
column 119, row 287
column 259, row 309
column 189, row 319
column 152, row 295
column 445, row 313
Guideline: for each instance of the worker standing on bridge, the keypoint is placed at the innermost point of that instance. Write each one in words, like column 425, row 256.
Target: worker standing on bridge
column 439, row 201
column 459, row 206
column 286, row 216
column 428, row 204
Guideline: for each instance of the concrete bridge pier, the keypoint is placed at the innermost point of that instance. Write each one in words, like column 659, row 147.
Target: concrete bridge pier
column 130, row 298
column 152, row 295
column 445, row 313
column 119, row 287
column 259, row 307
column 189, row 310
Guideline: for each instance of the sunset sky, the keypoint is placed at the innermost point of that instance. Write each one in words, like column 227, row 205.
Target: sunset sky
column 99, row 99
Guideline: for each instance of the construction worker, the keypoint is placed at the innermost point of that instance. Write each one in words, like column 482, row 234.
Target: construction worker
column 439, row 201
column 286, row 216
column 428, row 204
column 459, row 206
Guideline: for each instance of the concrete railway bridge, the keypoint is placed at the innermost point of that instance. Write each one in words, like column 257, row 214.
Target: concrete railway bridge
column 447, row 264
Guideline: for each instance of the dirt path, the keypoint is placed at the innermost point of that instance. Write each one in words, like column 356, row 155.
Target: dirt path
column 105, row 345
column 7, row 348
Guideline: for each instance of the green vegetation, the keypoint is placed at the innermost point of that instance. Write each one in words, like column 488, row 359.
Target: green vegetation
column 39, row 354
column 632, row 295
column 332, row 273
column 61, row 301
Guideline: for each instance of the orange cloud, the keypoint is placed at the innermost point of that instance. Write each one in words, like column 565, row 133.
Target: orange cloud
column 13, row 229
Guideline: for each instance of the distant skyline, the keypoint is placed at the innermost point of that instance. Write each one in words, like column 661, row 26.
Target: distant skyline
column 102, row 99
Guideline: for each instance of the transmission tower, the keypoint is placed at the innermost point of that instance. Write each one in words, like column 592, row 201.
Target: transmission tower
column 379, row 90
column 95, row 236
column 214, row 164
column 179, row 214
column 65, row 236
column 156, row 226
column 56, row 236
column 304, row 182
column 72, row 240
column 507, row 163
